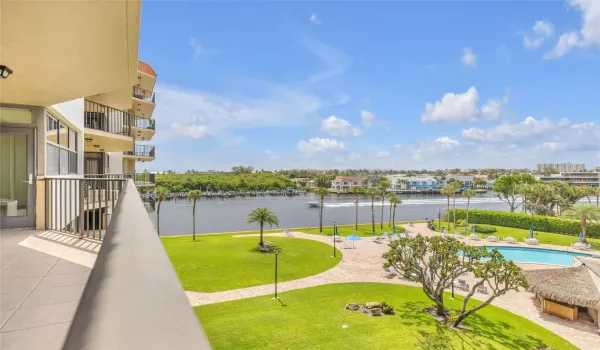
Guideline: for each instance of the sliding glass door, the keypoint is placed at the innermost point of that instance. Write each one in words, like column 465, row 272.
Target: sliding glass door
column 17, row 191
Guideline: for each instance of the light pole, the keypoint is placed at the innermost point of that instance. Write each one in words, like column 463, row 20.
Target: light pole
column 276, row 251
column 439, row 217
column 334, row 237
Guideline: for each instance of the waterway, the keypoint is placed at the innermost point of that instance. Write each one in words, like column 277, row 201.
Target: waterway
column 227, row 215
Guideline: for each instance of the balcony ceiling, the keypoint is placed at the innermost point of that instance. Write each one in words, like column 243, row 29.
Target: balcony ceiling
column 60, row 51
column 100, row 141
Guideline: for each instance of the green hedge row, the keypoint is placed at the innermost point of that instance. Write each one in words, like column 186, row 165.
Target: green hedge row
column 521, row 220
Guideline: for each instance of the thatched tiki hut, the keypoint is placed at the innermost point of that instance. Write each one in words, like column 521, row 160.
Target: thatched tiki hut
column 567, row 291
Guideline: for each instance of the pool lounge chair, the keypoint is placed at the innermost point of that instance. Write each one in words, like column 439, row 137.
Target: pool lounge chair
column 348, row 245
column 388, row 273
column 394, row 237
column 581, row 246
column 379, row 239
column 482, row 289
column 532, row 241
column 510, row 240
column 492, row 238
column 404, row 234
column 288, row 233
column 474, row 237
column 386, row 235
column 461, row 284
column 458, row 235
column 339, row 238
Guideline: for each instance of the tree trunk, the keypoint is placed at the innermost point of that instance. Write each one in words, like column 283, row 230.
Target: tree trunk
column 261, row 243
column 321, row 216
column 589, row 199
column 454, row 205
column 194, row 221
column 523, row 203
column 584, row 230
column 439, row 307
column 373, row 213
column 394, row 216
column 448, row 213
column 356, row 205
column 158, row 218
column 464, row 315
column 382, row 206
column 468, row 205
column 390, row 217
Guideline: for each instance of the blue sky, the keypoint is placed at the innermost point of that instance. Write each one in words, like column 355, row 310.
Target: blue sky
column 400, row 85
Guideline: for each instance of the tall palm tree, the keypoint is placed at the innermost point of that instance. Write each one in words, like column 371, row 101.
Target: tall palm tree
column 583, row 213
column 456, row 185
column 160, row 193
column 394, row 201
column 321, row 192
column 262, row 216
column 357, row 190
column 587, row 191
column 448, row 191
column 372, row 192
column 468, row 193
column 596, row 192
column 383, row 186
column 194, row 195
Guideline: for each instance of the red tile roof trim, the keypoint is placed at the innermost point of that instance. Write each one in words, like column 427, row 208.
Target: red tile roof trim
column 146, row 68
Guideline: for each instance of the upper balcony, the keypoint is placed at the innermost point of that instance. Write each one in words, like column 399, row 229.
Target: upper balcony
column 141, row 153
column 67, row 49
column 143, row 129
column 146, row 76
column 143, row 102
column 106, row 129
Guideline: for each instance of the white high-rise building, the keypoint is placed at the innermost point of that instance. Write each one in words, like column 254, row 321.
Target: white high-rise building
column 561, row 167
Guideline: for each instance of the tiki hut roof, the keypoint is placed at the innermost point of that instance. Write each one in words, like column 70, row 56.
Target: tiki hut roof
column 572, row 285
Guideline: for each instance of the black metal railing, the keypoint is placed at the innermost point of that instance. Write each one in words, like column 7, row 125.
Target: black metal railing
column 134, row 287
column 81, row 206
column 143, row 94
column 140, row 179
column 141, row 151
column 100, row 117
column 144, row 123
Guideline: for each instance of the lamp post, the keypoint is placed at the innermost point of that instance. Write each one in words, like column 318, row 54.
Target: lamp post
column 334, row 237
column 276, row 251
column 439, row 217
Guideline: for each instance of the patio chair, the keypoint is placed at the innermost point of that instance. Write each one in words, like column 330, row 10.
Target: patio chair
column 394, row 237
column 461, row 284
column 404, row 234
column 445, row 232
column 288, row 233
column 339, row 238
column 532, row 241
column 458, row 235
column 510, row 240
column 348, row 245
column 388, row 273
column 474, row 237
column 492, row 238
column 386, row 235
column 482, row 289
column 378, row 239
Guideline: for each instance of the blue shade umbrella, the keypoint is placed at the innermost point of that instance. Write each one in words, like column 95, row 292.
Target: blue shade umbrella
column 531, row 232
column 353, row 238
column 394, row 228
column 473, row 228
column 580, row 236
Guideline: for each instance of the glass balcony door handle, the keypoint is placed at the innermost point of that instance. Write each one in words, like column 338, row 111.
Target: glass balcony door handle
column 29, row 181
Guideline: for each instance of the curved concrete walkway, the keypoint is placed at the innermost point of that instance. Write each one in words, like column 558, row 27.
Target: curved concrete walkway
column 364, row 264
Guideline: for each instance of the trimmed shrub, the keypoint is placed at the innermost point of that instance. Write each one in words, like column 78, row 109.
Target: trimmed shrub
column 523, row 221
column 484, row 229
column 387, row 309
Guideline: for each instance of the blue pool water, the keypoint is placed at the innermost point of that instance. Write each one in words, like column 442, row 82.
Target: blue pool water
column 538, row 255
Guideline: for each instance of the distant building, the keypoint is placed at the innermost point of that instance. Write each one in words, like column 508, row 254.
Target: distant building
column 300, row 180
column 591, row 179
column 423, row 182
column 467, row 180
column 347, row 182
column 560, row 167
column 311, row 183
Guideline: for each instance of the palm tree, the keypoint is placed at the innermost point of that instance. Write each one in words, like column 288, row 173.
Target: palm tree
column 160, row 193
column 456, row 185
column 596, row 192
column 321, row 192
column 394, row 201
column 586, row 191
column 194, row 195
column 372, row 192
column 468, row 193
column 262, row 216
column 448, row 191
column 583, row 213
column 383, row 186
column 357, row 190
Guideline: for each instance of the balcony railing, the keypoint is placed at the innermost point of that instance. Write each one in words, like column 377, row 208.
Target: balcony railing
column 141, row 151
column 81, row 206
column 143, row 94
column 140, row 179
column 133, row 298
column 144, row 123
column 100, row 117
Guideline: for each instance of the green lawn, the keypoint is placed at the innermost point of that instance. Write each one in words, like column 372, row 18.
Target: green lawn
column 220, row 262
column 519, row 234
column 312, row 318
column 364, row 230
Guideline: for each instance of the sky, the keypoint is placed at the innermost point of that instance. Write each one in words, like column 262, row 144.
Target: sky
column 394, row 85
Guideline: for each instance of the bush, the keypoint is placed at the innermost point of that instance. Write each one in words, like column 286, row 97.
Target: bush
column 387, row 309
column 484, row 229
column 459, row 222
column 523, row 221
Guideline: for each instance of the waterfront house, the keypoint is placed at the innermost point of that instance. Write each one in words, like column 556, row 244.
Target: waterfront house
column 342, row 183
column 582, row 178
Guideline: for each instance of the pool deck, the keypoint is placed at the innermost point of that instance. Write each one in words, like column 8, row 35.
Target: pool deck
column 364, row 264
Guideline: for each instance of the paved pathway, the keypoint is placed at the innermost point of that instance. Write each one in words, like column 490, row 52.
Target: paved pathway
column 364, row 264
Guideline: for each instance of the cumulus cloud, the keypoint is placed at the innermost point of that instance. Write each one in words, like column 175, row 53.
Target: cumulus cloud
column 197, row 48
column 339, row 127
column 272, row 155
column 195, row 132
column 314, row 19
column 382, row 154
column 468, row 59
column 541, row 30
column 318, row 145
column 462, row 107
column 367, row 118
column 588, row 35
column 527, row 129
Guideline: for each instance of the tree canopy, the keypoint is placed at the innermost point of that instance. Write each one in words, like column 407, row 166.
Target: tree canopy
column 507, row 188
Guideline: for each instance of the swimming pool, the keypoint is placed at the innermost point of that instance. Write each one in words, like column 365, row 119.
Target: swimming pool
column 538, row 255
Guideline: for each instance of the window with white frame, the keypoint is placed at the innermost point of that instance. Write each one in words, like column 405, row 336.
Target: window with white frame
column 61, row 148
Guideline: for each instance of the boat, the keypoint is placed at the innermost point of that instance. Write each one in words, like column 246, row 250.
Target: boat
column 313, row 204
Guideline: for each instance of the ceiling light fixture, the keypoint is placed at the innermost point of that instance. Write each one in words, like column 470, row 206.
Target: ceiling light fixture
column 87, row 139
column 96, row 146
column 5, row 72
